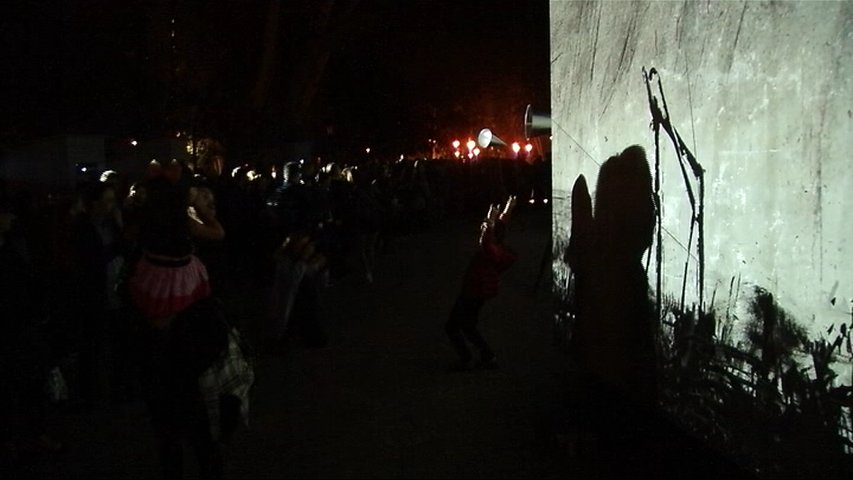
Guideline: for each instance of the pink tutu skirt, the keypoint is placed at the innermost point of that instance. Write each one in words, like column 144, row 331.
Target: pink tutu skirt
column 161, row 288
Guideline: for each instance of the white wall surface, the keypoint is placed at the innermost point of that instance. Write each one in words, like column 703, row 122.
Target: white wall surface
column 761, row 93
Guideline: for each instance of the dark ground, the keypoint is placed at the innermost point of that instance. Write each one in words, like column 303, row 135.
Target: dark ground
column 378, row 401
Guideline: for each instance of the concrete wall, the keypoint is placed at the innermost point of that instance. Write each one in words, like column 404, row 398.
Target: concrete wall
column 761, row 93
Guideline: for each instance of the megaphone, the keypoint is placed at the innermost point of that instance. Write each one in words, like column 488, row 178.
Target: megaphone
column 536, row 124
column 487, row 139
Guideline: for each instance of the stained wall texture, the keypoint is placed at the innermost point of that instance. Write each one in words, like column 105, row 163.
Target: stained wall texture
column 761, row 94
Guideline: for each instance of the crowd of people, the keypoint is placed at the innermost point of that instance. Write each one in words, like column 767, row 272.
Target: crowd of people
column 118, row 292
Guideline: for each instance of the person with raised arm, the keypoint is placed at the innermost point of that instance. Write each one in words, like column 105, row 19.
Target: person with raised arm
column 480, row 283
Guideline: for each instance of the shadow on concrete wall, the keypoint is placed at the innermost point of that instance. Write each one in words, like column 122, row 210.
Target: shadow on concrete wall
column 769, row 401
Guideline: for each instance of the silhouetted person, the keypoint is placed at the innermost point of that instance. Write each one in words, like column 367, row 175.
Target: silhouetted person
column 297, row 213
column 288, row 206
column 481, row 282
column 24, row 349
column 184, row 331
column 212, row 251
column 613, row 339
column 294, row 300
column 98, row 248
column 211, row 163
column 366, row 222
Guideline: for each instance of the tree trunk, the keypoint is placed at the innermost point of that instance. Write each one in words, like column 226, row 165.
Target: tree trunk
column 267, row 69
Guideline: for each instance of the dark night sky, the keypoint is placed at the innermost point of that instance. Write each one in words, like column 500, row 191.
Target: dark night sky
column 429, row 57
column 407, row 69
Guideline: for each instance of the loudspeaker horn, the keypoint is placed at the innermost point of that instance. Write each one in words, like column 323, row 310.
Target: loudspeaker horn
column 536, row 124
column 487, row 139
